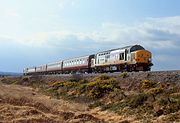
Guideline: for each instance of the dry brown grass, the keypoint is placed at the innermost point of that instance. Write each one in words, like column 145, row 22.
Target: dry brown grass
column 24, row 104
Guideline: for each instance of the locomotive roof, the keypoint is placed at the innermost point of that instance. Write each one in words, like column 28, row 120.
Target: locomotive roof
column 126, row 47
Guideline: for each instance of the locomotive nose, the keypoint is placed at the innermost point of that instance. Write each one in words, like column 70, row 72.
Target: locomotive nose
column 143, row 56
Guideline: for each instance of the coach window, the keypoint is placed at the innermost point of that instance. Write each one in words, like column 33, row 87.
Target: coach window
column 59, row 64
column 77, row 61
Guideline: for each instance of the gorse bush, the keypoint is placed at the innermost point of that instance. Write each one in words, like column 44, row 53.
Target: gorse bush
column 148, row 84
column 137, row 100
column 64, row 84
column 124, row 75
column 83, row 81
column 103, row 77
column 116, row 95
column 25, row 79
column 102, row 86
column 155, row 91
column 97, row 88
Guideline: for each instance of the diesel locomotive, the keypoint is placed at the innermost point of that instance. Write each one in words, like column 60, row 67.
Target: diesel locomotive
column 129, row 58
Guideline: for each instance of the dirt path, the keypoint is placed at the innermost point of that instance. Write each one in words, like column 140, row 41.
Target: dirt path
column 25, row 104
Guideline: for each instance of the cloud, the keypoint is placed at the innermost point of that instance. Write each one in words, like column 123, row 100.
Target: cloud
column 157, row 33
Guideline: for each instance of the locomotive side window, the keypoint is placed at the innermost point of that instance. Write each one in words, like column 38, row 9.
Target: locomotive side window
column 121, row 56
column 107, row 57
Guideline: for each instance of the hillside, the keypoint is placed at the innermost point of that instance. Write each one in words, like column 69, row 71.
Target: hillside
column 116, row 97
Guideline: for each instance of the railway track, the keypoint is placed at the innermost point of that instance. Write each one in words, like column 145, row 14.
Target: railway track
column 116, row 73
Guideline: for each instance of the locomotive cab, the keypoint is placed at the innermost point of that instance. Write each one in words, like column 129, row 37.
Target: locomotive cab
column 141, row 58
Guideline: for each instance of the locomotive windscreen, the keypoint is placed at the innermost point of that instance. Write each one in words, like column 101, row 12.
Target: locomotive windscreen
column 136, row 47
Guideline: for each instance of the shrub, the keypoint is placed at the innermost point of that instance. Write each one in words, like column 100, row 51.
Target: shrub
column 148, row 84
column 25, row 79
column 172, row 107
column 172, row 117
column 81, row 89
column 64, row 84
column 95, row 104
column 55, row 84
column 103, row 77
column 155, row 91
column 52, row 92
column 137, row 100
column 123, row 75
column 83, row 81
column 116, row 95
column 75, row 78
column 163, row 101
column 100, row 87
column 114, row 106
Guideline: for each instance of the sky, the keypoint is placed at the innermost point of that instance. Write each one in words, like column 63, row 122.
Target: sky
column 35, row 32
